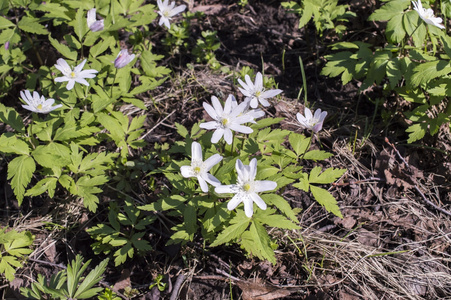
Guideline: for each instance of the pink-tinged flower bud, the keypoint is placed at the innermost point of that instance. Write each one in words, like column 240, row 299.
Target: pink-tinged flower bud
column 94, row 24
column 7, row 45
column 123, row 59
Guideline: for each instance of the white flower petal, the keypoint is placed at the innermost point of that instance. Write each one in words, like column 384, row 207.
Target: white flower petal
column 264, row 186
column 226, row 189
column 196, row 151
column 203, row 184
column 241, row 128
column 258, row 200
column 248, row 206
column 212, row 161
column 228, row 136
column 235, row 201
column 209, row 125
column 210, row 110
column 70, row 84
column 217, row 106
column 211, row 179
column 217, row 135
column 270, row 93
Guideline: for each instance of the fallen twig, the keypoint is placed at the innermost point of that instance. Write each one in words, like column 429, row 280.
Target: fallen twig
column 176, row 288
column 430, row 203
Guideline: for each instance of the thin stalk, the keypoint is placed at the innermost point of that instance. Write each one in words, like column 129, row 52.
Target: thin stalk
column 304, row 81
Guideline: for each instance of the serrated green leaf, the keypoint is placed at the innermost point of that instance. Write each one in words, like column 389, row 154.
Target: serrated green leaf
column 395, row 30
column 389, row 10
column 303, row 183
column 9, row 116
column 281, row 204
column 31, row 25
column 273, row 219
column 44, row 185
column 256, row 241
column 299, row 143
column 239, row 224
column 328, row 176
column 52, row 155
column 5, row 23
column 63, row 49
column 11, row 144
column 316, row 155
column 425, row 72
column 416, row 132
column 326, row 199
column 20, row 171
column 85, row 289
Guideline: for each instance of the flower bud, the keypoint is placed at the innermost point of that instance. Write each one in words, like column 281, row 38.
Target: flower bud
column 123, row 59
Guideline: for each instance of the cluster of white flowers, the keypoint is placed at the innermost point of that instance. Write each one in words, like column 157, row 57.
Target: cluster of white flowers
column 232, row 117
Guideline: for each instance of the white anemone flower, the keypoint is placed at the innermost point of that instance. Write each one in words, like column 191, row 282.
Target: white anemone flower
column 255, row 90
column 167, row 11
column 254, row 113
column 246, row 188
column 310, row 121
column 94, row 24
column 427, row 15
column 38, row 104
column 226, row 119
column 73, row 75
column 200, row 168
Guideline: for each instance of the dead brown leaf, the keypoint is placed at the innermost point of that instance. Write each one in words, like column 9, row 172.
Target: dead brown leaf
column 259, row 291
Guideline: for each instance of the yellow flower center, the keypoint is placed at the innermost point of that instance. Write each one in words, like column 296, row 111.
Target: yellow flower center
column 39, row 106
column 72, row 74
column 224, row 122
column 196, row 170
column 247, row 187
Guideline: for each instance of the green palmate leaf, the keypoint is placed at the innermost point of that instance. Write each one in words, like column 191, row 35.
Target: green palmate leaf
column 31, row 25
column 324, row 198
column 340, row 63
column 234, row 231
column 328, row 176
column 303, row 183
column 63, row 49
column 122, row 253
column 20, row 171
column 9, row 116
column 257, row 242
column 415, row 27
